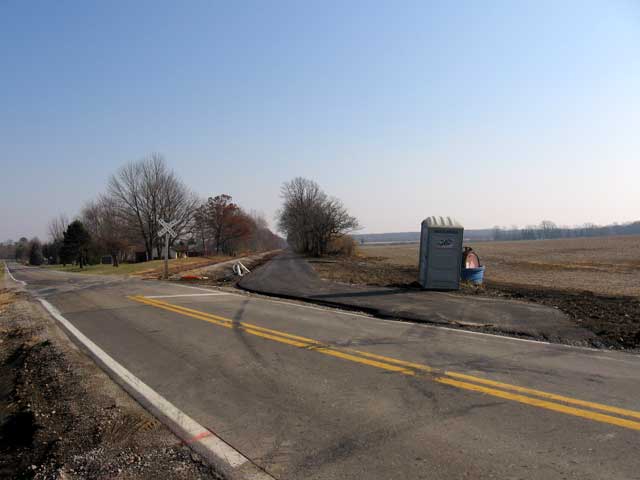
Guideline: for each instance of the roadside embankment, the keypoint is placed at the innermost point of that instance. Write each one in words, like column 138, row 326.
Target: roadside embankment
column 62, row 417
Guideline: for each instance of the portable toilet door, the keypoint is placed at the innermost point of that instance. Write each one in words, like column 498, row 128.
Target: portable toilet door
column 440, row 253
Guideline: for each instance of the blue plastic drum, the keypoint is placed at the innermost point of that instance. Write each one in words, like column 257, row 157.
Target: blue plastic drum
column 473, row 275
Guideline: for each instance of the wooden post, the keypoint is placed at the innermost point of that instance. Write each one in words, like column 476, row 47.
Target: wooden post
column 166, row 256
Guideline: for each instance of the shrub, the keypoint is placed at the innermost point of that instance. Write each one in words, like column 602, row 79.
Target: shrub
column 342, row 245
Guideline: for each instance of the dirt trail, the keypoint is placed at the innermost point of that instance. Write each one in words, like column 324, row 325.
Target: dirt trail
column 61, row 417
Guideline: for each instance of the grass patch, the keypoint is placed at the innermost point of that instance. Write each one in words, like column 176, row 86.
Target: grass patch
column 129, row 268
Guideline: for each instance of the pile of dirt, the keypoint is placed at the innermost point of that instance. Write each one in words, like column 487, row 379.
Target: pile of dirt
column 62, row 417
column 614, row 319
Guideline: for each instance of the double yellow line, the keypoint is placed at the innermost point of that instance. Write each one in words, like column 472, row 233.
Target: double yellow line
column 537, row 398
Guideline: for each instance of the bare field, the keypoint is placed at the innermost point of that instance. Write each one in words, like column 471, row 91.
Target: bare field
column 603, row 265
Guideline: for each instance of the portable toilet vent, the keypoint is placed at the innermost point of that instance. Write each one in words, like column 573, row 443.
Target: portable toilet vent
column 440, row 253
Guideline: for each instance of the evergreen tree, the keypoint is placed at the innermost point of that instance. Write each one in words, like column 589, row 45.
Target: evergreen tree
column 35, row 252
column 22, row 250
column 75, row 244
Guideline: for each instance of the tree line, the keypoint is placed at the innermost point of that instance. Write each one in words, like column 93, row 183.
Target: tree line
column 549, row 230
column 125, row 219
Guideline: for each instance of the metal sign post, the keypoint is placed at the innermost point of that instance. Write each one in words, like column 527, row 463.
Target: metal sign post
column 167, row 231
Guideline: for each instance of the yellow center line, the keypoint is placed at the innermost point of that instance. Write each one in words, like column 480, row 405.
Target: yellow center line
column 551, row 396
column 409, row 368
column 557, row 407
column 417, row 366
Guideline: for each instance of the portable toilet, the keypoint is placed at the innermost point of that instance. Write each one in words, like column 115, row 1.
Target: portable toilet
column 440, row 253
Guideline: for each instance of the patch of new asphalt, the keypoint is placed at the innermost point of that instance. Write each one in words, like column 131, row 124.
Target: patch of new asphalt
column 291, row 276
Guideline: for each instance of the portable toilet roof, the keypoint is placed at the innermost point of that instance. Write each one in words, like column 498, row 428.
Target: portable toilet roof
column 442, row 222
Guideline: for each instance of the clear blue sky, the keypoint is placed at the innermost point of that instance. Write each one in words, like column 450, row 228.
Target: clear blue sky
column 492, row 112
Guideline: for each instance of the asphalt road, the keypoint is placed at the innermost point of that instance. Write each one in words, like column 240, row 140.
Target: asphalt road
column 311, row 393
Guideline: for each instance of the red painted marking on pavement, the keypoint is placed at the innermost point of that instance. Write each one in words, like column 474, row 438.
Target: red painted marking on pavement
column 199, row 436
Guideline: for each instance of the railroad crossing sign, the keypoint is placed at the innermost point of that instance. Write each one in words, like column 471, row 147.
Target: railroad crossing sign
column 167, row 232
column 167, row 227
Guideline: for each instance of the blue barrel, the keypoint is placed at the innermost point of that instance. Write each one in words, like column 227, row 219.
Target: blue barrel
column 473, row 275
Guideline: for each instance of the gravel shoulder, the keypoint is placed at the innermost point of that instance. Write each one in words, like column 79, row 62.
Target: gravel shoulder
column 61, row 417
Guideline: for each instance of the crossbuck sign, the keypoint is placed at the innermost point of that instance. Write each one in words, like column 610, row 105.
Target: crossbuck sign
column 167, row 227
column 167, row 232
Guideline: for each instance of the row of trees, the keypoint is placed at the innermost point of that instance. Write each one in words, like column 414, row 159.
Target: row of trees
column 141, row 193
column 125, row 219
column 223, row 227
column 548, row 230
column 71, row 246
column 311, row 219
column 24, row 250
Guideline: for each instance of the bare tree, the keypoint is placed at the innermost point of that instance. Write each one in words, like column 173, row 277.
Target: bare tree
column 145, row 192
column 224, row 223
column 107, row 227
column 262, row 238
column 201, row 232
column 549, row 229
column 57, row 226
column 310, row 218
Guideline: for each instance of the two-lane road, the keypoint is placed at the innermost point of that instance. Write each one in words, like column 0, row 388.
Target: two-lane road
column 308, row 392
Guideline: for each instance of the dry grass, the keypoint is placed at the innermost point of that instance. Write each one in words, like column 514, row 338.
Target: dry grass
column 6, row 298
column 144, row 269
column 605, row 265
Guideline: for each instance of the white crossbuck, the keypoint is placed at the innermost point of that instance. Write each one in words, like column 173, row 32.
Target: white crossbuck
column 167, row 227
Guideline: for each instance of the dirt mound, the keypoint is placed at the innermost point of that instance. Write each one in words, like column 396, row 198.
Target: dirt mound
column 61, row 417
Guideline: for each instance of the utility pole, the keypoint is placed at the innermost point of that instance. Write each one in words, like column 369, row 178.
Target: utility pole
column 168, row 232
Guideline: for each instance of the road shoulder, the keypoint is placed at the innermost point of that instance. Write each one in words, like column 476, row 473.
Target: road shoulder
column 64, row 418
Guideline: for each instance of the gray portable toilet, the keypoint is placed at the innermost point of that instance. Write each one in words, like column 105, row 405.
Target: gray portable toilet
column 440, row 253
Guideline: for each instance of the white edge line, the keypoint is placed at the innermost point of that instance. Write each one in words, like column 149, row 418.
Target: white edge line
column 213, row 294
column 196, row 288
column 6, row 267
column 197, row 437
